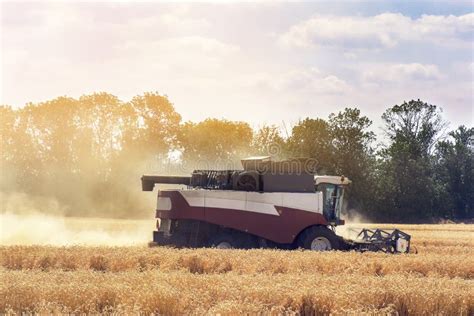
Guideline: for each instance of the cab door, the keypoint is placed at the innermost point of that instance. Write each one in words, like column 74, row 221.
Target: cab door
column 331, row 200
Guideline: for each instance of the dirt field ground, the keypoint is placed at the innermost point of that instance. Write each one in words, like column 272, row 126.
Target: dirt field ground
column 133, row 279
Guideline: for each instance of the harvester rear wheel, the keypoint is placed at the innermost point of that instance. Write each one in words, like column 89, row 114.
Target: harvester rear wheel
column 232, row 240
column 224, row 241
column 318, row 238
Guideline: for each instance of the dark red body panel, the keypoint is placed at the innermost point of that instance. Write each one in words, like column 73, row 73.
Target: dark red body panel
column 280, row 229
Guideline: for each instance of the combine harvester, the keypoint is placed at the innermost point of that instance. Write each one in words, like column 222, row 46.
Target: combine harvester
column 278, row 204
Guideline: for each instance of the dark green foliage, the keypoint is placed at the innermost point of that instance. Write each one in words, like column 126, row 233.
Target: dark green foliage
column 407, row 191
column 454, row 174
column 353, row 155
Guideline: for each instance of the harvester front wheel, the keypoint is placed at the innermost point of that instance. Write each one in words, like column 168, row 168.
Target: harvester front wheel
column 318, row 238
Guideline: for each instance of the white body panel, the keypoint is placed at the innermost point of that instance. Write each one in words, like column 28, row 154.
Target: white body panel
column 254, row 201
column 163, row 204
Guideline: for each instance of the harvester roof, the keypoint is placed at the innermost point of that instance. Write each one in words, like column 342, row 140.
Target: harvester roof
column 264, row 164
column 340, row 180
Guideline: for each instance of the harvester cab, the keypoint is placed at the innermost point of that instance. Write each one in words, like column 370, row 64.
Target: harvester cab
column 332, row 189
column 280, row 204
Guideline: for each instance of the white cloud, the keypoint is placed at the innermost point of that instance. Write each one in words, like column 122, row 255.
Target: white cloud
column 193, row 56
column 196, row 44
column 350, row 55
column 306, row 81
column 445, row 26
column 381, row 31
column 332, row 85
column 178, row 22
column 401, row 72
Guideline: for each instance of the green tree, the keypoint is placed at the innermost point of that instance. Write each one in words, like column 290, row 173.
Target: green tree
column 353, row 155
column 455, row 174
column 406, row 186
column 312, row 138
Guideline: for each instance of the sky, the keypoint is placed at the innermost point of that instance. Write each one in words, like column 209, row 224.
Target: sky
column 262, row 62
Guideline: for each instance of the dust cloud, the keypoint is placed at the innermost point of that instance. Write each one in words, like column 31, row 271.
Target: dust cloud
column 33, row 220
column 41, row 229
column 354, row 222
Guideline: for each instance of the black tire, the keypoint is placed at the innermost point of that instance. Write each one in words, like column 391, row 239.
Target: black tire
column 319, row 238
column 229, row 240
column 224, row 241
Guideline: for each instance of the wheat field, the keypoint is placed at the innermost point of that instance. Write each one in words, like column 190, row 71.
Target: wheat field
column 141, row 280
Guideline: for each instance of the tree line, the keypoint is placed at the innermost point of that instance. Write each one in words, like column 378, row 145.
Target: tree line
column 89, row 153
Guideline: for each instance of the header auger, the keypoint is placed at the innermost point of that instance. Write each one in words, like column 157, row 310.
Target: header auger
column 280, row 204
